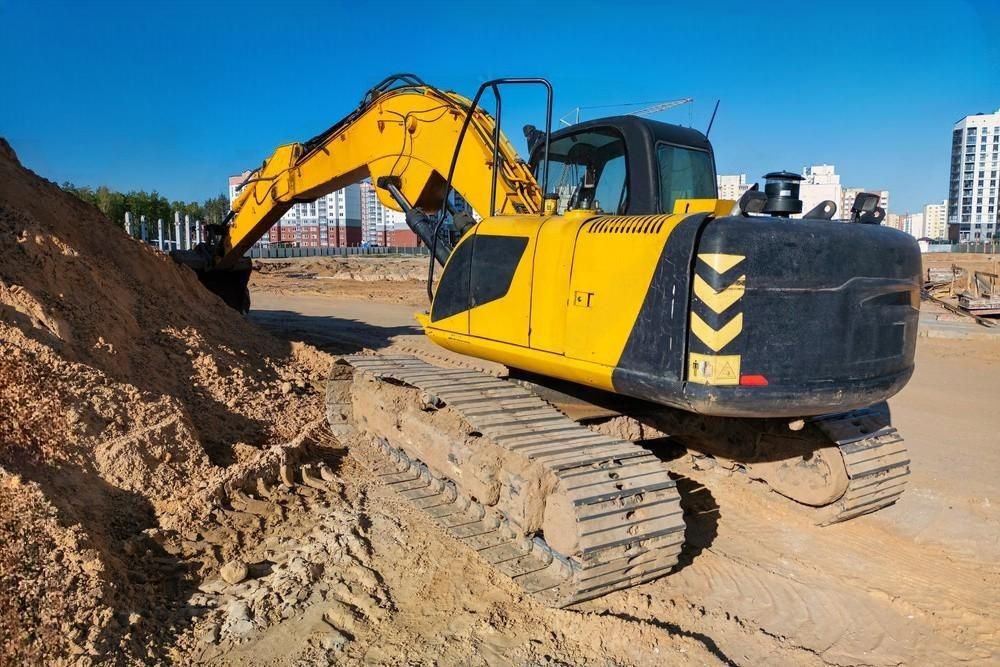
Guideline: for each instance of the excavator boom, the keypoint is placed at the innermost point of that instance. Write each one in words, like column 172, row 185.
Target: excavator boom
column 403, row 129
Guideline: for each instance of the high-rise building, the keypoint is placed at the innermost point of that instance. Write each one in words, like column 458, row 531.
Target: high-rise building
column 234, row 185
column 380, row 223
column 732, row 186
column 936, row 220
column 331, row 220
column 973, row 205
column 820, row 183
column 895, row 220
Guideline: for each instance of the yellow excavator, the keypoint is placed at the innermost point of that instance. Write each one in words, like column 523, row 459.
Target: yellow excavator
column 605, row 273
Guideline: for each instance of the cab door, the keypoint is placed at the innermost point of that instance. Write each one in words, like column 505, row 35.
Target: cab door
column 553, row 262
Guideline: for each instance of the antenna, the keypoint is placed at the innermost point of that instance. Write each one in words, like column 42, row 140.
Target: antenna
column 712, row 119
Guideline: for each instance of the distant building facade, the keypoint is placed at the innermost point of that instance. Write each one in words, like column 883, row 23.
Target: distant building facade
column 732, row 186
column 380, row 224
column 936, row 220
column 913, row 224
column 333, row 220
column 820, row 183
column 895, row 220
column 973, row 206
column 235, row 185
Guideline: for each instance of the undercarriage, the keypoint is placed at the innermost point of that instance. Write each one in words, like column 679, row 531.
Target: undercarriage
column 536, row 482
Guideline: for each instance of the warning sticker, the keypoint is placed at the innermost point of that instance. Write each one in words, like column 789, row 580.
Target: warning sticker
column 718, row 369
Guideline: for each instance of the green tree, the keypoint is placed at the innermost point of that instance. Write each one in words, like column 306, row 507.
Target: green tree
column 153, row 205
column 216, row 209
column 103, row 199
column 84, row 193
column 116, row 206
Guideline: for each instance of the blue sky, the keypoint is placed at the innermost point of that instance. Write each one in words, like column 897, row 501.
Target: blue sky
column 175, row 96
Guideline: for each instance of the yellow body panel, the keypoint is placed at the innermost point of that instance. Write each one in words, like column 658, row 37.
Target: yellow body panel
column 612, row 270
column 550, row 292
column 585, row 277
column 716, row 207
column 531, row 360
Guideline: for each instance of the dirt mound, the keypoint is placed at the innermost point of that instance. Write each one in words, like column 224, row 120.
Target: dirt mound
column 125, row 387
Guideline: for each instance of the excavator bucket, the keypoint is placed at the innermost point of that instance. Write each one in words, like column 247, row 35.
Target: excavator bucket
column 230, row 285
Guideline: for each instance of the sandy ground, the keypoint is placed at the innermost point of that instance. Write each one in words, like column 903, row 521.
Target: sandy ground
column 384, row 279
column 917, row 583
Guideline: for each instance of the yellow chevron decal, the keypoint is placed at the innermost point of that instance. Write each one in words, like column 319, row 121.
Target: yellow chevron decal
column 716, row 340
column 724, row 298
column 721, row 262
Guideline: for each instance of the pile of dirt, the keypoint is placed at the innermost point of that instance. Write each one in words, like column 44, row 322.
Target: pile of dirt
column 125, row 388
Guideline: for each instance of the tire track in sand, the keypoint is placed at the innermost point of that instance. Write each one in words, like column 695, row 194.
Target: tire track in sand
column 850, row 594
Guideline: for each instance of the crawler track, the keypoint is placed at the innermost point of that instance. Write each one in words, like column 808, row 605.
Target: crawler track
column 878, row 464
column 626, row 509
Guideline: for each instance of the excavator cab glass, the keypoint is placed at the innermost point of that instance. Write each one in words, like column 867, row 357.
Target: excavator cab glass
column 587, row 170
column 685, row 173
column 624, row 165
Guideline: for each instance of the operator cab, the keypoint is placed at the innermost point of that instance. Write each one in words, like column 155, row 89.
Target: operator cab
column 625, row 165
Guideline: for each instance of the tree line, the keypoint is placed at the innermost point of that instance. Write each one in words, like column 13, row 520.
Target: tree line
column 153, row 205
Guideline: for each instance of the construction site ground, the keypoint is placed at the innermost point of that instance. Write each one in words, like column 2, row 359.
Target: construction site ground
column 170, row 494
column 917, row 583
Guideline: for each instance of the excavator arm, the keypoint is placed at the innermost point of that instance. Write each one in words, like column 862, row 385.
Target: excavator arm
column 403, row 129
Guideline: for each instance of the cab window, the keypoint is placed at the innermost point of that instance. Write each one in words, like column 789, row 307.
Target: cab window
column 588, row 170
column 685, row 173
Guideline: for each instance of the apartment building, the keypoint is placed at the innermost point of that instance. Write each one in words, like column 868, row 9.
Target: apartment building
column 973, row 205
column 732, row 186
column 936, row 220
column 331, row 220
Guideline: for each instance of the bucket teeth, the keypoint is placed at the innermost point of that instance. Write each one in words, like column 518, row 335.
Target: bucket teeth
column 265, row 490
column 327, row 475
